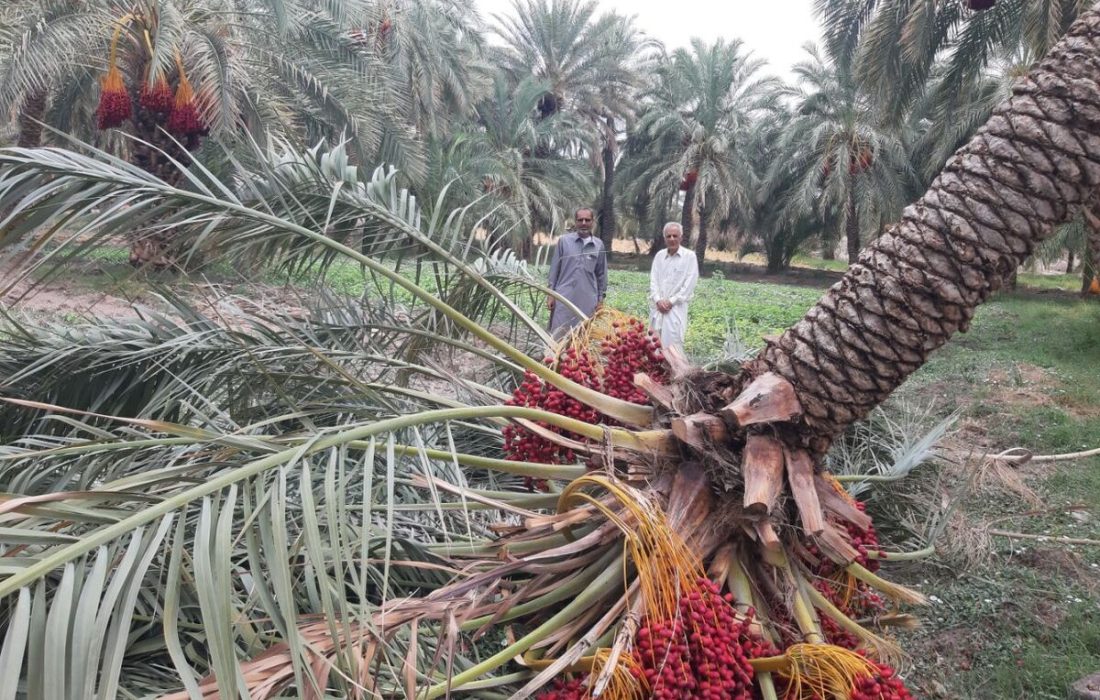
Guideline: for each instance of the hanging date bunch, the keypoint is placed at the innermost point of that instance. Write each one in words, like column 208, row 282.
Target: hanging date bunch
column 114, row 99
column 185, row 121
column 604, row 354
column 157, row 97
column 158, row 105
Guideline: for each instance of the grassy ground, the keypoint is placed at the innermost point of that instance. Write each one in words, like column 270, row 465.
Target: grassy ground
column 1025, row 621
column 750, row 310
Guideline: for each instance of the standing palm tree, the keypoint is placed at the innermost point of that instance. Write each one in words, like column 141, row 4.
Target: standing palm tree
column 591, row 67
column 695, row 116
column 774, row 222
column 1090, row 257
column 642, row 156
column 848, row 157
column 512, row 163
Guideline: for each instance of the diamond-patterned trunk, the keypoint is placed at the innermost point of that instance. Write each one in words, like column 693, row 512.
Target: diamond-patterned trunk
column 1031, row 167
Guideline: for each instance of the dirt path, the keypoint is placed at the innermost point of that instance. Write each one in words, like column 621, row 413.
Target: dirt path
column 59, row 297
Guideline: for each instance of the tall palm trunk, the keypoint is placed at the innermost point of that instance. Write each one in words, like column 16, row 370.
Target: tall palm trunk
column 30, row 118
column 31, row 113
column 1030, row 168
column 607, row 201
column 685, row 212
column 851, row 226
column 701, row 243
column 1090, row 261
column 155, row 250
column 656, row 223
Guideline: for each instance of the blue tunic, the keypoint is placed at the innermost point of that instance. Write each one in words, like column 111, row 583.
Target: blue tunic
column 578, row 271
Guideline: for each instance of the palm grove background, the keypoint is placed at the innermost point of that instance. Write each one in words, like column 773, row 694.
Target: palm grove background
column 267, row 484
column 555, row 104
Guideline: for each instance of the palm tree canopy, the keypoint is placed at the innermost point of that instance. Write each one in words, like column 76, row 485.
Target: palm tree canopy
column 588, row 62
column 380, row 75
column 895, row 44
column 700, row 105
column 841, row 140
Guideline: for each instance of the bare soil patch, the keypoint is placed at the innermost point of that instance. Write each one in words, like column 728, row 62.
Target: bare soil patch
column 1061, row 563
column 62, row 297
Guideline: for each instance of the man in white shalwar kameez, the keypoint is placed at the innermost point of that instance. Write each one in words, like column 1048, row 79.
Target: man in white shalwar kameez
column 671, row 286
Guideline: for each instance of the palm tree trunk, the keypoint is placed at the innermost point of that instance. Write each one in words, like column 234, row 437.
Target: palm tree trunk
column 685, row 213
column 774, row 261
column 1031, row 167
column 30, row 118
column 1071, row 260
column 1090, row 261
column 851, row 226
column 156, row 251
column 655, row 226
column 607, row 201
column 701, row 244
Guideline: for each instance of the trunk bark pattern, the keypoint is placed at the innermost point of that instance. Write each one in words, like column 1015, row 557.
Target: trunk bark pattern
column 1031, row 167
column 851, row 227
column 30, row 117
column 607, row 201
column 685, row 213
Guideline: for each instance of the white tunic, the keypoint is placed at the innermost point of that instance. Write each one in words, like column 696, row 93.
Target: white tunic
column 672, row 277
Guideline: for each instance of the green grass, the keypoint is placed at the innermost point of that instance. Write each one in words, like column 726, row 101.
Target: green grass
column 1021, row 627
column 1063, row 283
column 1014, row 632
column 1027, row 280
column 836, row 265
column 719, row 308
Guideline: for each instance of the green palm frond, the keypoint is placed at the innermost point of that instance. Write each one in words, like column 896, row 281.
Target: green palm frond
column 304, row 75
column 236, row 522
column 893, row 46
column 53, row 37
column 271, row 476
column 50, row 189
column 168, row 38
column 217, row 76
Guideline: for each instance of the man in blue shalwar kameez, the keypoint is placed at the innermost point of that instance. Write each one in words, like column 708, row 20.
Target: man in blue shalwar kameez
column 578, row 271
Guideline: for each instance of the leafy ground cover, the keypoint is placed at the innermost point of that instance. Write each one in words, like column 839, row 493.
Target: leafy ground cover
column 1013, row 616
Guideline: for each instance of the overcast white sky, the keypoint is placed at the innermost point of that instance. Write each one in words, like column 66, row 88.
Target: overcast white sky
column 774, row 31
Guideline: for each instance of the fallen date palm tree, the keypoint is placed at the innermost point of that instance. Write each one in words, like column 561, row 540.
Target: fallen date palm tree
column 261, row 542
